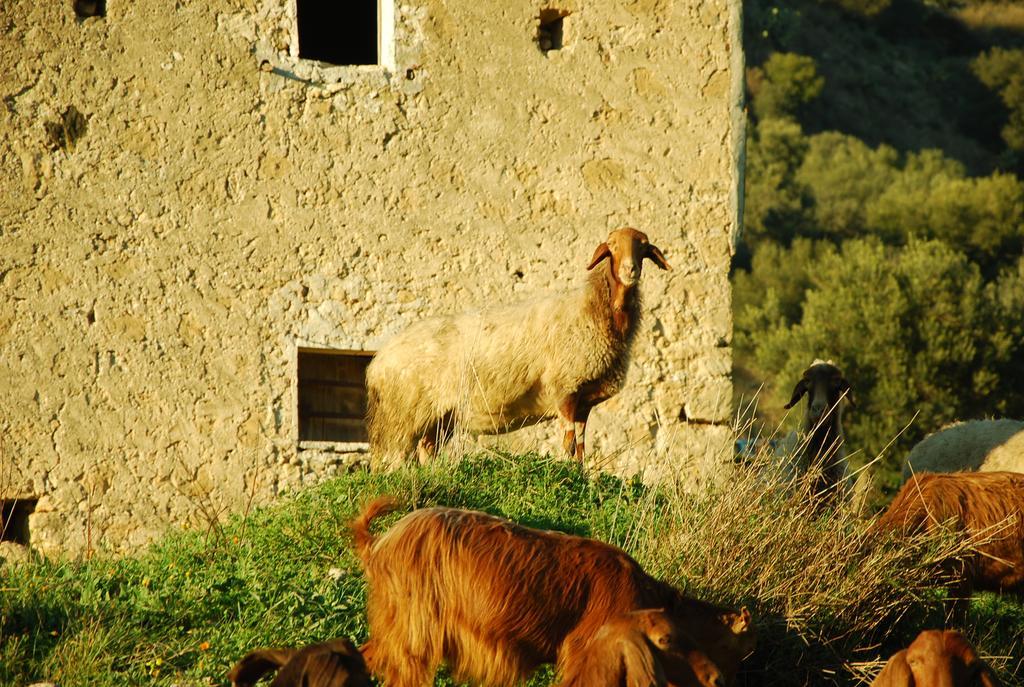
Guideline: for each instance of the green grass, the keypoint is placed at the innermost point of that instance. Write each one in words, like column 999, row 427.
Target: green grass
column 182, row 612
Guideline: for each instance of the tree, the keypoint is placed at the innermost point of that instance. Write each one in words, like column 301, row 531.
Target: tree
column 1003, row 71
column 784, row 84
column 774, row 203
column 772, row 292
column 984, row 215
column 843, row 176
column 915, row 329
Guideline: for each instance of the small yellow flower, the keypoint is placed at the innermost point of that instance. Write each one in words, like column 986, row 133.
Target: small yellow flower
column 204, row 646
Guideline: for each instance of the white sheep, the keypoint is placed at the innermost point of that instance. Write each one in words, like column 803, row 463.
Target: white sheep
column 821, row 442
column 496, row 370
column 975, row 445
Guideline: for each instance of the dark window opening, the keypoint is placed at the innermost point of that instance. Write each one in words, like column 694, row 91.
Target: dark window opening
column 551, row 30
column 332, row 395
column 338, row 32
column 90, row 8
column 14, row 519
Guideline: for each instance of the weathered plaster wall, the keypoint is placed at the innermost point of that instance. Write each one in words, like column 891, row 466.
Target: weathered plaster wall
column 157, row 277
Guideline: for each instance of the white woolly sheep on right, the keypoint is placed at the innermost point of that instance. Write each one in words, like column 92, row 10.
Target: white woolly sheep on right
column 971, row 446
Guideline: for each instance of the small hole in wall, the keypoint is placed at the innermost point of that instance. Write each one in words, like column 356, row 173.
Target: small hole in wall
column 90, row 8
column 14, row 519
column 66, row 131
column 682, row 414
column 551, row 32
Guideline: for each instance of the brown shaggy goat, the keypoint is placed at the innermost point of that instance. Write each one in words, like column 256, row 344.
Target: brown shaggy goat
column 936, row 658
column 336, row 663
column 639, row 649
column 971, row 502
column 495, row 600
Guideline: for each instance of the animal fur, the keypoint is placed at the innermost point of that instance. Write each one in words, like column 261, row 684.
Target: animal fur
column 823, row 443
column 974, row 503
column 641, row 649
column 497, row 370
column 985, row 445
column 937, row 659
column 494, row 600
column 336, row 663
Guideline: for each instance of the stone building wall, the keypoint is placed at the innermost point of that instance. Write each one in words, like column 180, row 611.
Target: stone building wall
column 220, row 204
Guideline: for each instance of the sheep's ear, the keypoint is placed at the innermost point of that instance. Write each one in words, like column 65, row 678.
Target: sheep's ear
column 654, row 255
column 986, row 678
column 896, row 672
column 845, row 386
column 258, row 663
column 798, row 392
column 602, row 252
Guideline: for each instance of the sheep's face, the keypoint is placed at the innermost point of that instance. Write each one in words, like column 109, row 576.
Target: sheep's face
column 627, row 248
column 944, row 659
column 824, row 386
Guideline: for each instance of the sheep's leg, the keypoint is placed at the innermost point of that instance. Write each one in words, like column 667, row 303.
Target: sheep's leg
column 567, row 411
column 588, row 398
column 438, row 433
column 580, row 424
column 426, row 448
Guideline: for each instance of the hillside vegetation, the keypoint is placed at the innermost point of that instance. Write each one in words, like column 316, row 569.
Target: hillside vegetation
column 826, row 605
column 884, row 221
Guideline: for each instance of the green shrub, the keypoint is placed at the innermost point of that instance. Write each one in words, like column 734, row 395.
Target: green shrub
column 784, row 85
column 1002, row 71
column 772, row 292
column 844, row 176
column 774, row 203
column 917, row 332
column 984, row 215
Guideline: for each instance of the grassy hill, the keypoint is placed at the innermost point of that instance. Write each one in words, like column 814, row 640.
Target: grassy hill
column 827, row 606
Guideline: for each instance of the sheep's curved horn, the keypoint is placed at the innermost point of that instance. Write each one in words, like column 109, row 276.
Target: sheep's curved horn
column 654, row 255
column 602, row 252
column 798, row 392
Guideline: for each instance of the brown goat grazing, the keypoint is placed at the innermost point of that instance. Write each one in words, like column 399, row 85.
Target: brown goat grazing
column 641, row 649
column 822, row 441
column 336, row 663
column 936, row 658
column 971, row 502
column 496, row 370
column 495, row 600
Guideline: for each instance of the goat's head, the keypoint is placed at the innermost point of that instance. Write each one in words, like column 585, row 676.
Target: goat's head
column 943, row 658
column 824, row 386
column 683, row 662
column 627, row 248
